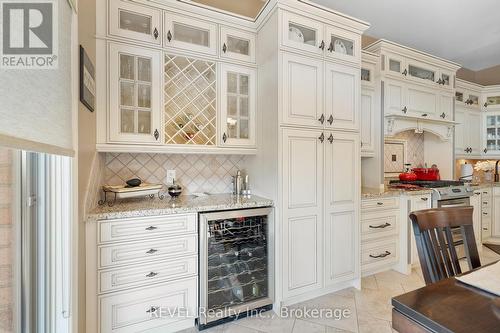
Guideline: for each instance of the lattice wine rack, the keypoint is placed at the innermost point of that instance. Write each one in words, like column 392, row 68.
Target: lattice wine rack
column 190, row 101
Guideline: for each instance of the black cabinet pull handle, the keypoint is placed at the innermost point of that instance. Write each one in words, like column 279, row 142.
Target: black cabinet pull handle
column 382, row 255
column 443, row 115
column 382, row 226
column 405, row 72
column 439, row 81
column 169, row 36
column 477, row 193
column 322, row 45
column 155, row 33
column 322, row 137
column 224, row 48
column 485, row 105
column 152, row 274
column 405, row 109
column 485, row 213
column 330, row 138
column 380, row 203
column 424, row 199
column 151, row 251
column 424, row 115
column 330, row 119
column 150, row 228
column 485, row 150
column 322, row 119
column 156, row 134
column 224, row 137
column 330, row 48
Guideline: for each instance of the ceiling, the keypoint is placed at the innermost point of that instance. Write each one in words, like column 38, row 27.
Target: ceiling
column 464, row 31
column 248, row 8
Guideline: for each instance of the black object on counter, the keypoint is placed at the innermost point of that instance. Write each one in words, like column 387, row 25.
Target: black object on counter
column 134, row 182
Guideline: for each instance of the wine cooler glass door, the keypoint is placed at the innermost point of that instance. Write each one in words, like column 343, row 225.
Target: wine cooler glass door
column 235, row 254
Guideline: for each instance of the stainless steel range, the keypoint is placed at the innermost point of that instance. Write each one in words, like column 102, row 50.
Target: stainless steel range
column 447, row 193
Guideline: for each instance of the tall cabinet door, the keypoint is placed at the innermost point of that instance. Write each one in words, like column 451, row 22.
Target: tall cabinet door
column 342, row 84
column 461, row 141
column 302, row 211
column 474, row 129
column 134, row 105
column 302, row 86
column 238, row 87
column 367, row 121
column 342, row 200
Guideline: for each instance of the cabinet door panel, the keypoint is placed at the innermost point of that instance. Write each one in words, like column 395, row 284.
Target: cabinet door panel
column 190, row 34
column 138, row 22
column 237, row 44
column 302, row 90
column 446, row 106
column 495, row 228
column 342, row 86
column 394, row 98
column 237, row 117
column 367, row 121
column 302, row 33
column 134, row 98
column 460, row 133
column 474, row 128
column 421, row 100
column 340, row 247
column 475, row 202
column 302, row 211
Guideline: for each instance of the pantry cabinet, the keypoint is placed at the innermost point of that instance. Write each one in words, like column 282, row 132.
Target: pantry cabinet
column 134, row 94
column 342, row 85
column 302, row 81
column 134, row 21
column 237, row 116
column 467, row 132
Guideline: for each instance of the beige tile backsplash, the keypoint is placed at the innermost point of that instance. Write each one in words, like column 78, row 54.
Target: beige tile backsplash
column 414, row 146
column 196, row 173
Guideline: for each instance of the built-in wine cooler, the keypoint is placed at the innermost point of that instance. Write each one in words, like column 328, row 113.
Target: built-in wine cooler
column 235, row 270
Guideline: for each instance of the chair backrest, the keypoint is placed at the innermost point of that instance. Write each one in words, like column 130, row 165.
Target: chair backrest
column 433, row 235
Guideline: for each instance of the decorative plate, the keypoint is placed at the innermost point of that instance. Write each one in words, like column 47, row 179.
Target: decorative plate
column 295, row 34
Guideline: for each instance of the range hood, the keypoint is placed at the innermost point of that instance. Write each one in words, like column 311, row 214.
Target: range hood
column 442, row 128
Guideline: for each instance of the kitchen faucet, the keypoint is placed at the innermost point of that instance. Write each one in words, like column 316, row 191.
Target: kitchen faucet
column 496, row 172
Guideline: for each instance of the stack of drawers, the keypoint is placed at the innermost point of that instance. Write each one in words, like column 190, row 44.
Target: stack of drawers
column 487, row 212
column 147, row 267
column 379, row 234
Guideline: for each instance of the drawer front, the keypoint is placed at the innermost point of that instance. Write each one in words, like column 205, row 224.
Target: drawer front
column 136, row 229
column 486, row 213
column 139, row 310
column 380, row 203
column 486, row 193
column 117, row 279
column 139, row 252
column 379, row 253
column 379, row 224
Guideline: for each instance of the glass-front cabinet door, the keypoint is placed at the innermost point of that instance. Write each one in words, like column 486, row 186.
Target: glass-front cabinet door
column 190, row 34
column 394, row 65
column 446, row 79
column 138, row 22
column 302, row 33
column 134, row 94
column 342, row 44
column 420, row 72
column 492, row 132
column 492, row 102
column 237, row 121
column 190, row 101
column 237, row 44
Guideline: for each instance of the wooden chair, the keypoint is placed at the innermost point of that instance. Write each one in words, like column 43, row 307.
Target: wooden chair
column 433, row 235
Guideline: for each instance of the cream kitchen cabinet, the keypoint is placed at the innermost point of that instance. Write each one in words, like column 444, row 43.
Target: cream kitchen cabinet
column 467, row 132
column 422, row 101
column 466, row 98
column 491, row 133
column 491, row 98
column 495, row 221
column 134, row 94
column 237, row 45
column 302, row 81
column 190, row 34
column 237, row 115
column 342, row 84
column 476, row 203
column 316, row 38
column 342, row 173
column 394, row 97
column 321, row 209
column 134, row 21
column 487, row 212
column 303, row 182
column 368, row 121
column 417, row 202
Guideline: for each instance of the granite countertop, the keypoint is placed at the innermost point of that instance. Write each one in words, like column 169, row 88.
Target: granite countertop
column 483, row 185
column 142, row 207
column 371, row 193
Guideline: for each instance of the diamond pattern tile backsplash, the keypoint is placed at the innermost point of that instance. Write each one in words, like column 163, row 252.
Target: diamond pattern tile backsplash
column 195, row 173
column 414, row 146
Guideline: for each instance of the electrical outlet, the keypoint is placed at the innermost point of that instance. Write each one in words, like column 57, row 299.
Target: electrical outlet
column 170, row 176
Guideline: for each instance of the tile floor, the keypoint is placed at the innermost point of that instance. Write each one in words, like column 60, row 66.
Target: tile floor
column 370, row 307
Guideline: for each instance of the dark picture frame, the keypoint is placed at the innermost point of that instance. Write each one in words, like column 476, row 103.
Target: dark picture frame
column 87, row 80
